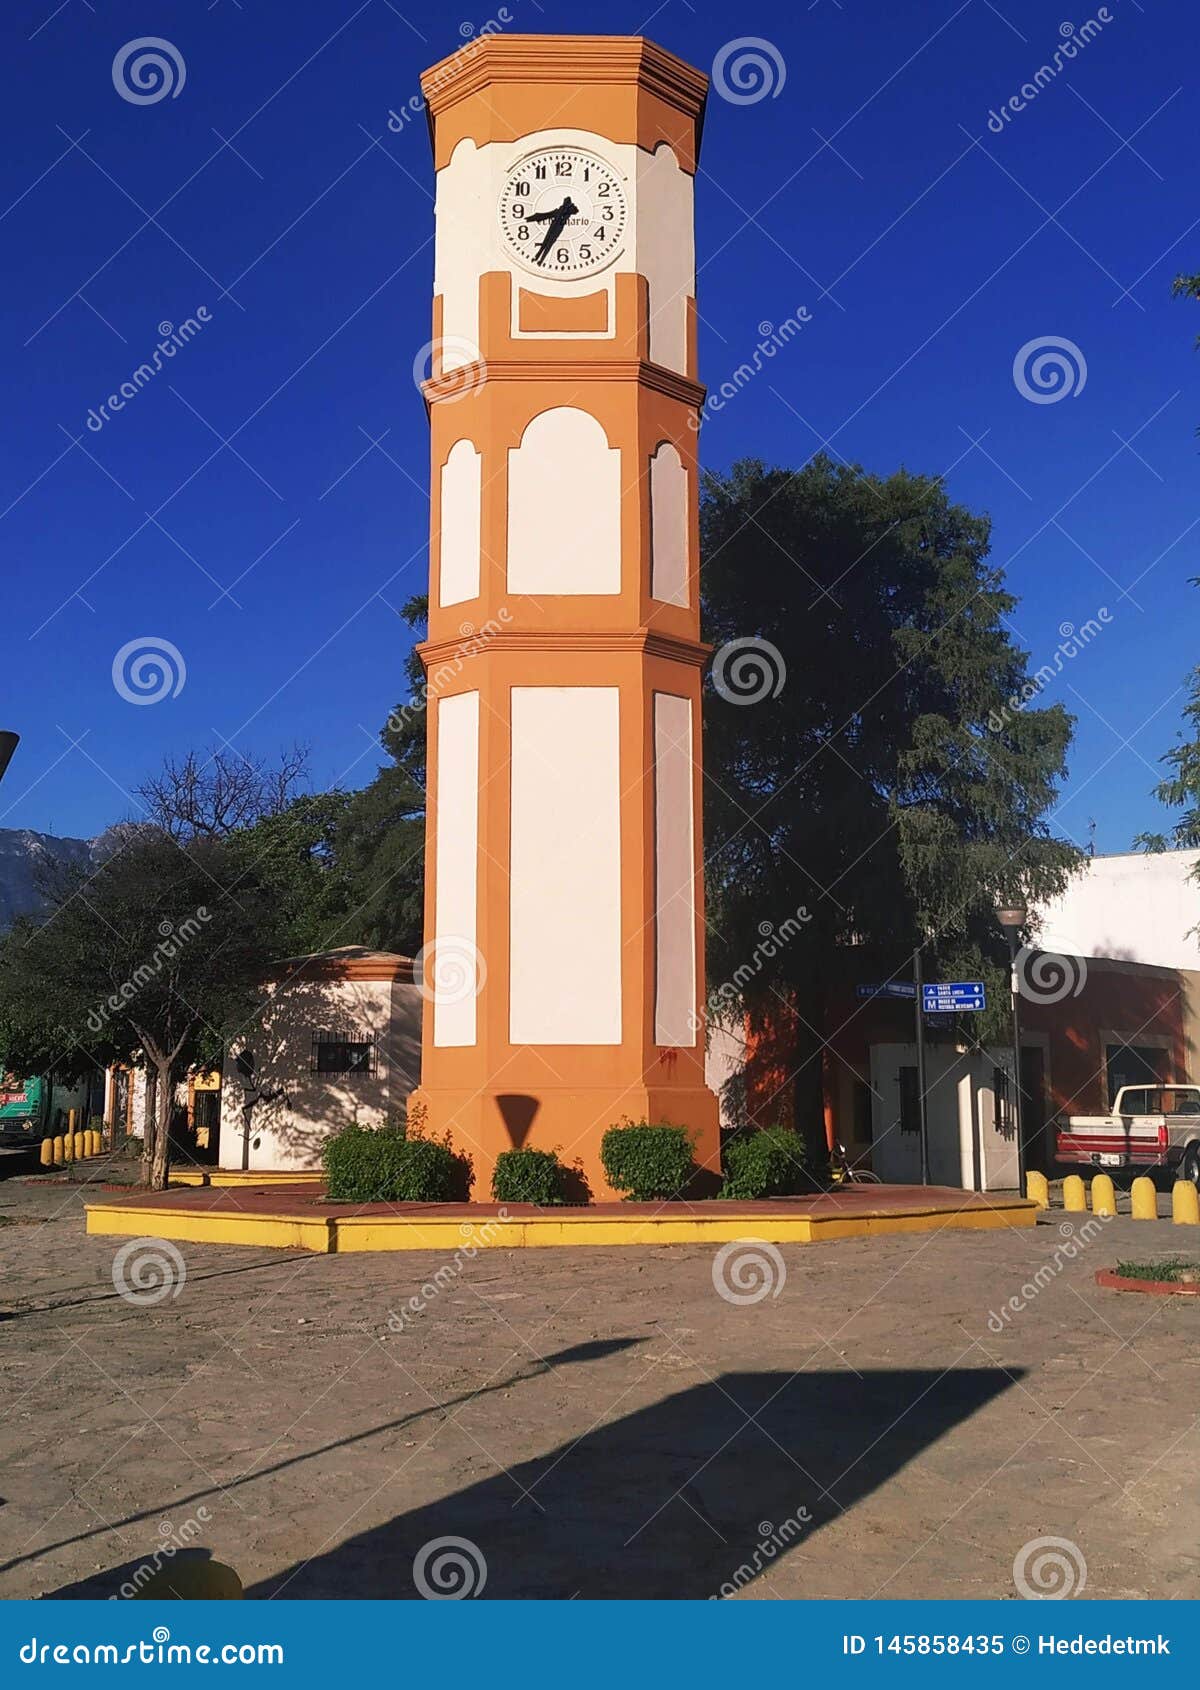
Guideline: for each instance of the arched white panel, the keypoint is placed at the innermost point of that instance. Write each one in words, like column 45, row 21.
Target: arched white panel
column 668, row 526
column 666, row 252
column 458, row 549
column 564, row 507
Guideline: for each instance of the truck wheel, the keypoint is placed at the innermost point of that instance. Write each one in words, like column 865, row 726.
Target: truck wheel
column 1189, row 1168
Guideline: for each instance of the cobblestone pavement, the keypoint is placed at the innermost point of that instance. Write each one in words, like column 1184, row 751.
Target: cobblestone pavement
column 885, row 1420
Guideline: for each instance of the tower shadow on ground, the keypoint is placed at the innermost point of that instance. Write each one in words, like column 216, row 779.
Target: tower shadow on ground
column 671, row 1501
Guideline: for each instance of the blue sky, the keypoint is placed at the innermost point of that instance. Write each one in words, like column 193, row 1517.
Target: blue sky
column 261, row 505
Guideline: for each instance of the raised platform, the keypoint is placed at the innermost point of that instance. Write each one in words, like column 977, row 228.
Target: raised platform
column 299, row 1217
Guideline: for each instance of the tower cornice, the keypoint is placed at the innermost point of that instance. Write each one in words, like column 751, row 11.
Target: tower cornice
column 647, row 641
column 469, row 378
column 577, row 60
column 520, row 77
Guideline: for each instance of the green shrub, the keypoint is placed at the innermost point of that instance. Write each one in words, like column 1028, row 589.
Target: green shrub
column 528, row 1176
column 384, row 1166
column 646, row 1161
column 766, row 1163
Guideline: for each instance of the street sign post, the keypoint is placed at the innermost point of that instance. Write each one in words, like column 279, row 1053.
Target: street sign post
column 951, row 997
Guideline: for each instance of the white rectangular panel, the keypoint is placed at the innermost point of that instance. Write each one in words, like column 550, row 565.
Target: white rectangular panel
column 456, row 868
column 565, row 866
column 674, row 876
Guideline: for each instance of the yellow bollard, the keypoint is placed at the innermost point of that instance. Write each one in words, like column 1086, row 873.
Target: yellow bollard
column 93, row 1138
column 1104, row 1198
column 1185, row 1204
column 1074, row 1196
column 58, row 1152
column 47, row 1153
column 1144, row 1199
column 70, row 1120
column 1038, row 1189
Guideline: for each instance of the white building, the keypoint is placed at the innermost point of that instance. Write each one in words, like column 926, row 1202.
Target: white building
column 338, row 1040
column 1140, row 906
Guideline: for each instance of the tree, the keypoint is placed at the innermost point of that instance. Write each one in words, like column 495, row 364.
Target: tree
column 380, row 841
column 875, row 772
column 154, row 958
column 209, row 795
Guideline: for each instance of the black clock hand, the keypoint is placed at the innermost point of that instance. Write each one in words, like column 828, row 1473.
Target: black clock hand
column 558, row 222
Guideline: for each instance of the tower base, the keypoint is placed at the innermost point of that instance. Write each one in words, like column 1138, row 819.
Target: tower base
column 571, row 1122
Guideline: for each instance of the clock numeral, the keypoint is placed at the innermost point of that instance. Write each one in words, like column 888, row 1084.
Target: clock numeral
column 563, row 167
column 522, row 231
column 521, row 190
column 602, row 190
column 539, row 170
column 562, row 256
column 600, row 232
column 585, row 252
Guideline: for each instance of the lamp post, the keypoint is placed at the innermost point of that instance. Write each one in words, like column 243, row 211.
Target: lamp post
column 1012, row 918
column 8, row 744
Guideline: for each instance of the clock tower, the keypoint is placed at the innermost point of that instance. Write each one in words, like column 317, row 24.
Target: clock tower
column 564, row 966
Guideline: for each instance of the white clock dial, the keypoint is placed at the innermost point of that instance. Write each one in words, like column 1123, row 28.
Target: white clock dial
column 563, row 213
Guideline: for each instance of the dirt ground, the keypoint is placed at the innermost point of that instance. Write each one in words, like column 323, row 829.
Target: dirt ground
column 603, row 1422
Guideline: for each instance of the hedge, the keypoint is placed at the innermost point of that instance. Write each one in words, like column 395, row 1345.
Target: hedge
column 382, row 1165
column 765, row 1163
column 528, row 1176
column 647, row 1161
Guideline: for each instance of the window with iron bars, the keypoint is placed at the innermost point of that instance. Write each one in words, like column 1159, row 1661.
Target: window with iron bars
column 343, row 1051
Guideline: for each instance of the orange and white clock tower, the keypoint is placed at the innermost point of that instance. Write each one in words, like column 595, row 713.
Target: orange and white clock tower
column 564, row 887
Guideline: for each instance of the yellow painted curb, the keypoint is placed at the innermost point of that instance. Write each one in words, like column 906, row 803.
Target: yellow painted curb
column 222, row 1177
column 202, row 1226
column 352, row 1234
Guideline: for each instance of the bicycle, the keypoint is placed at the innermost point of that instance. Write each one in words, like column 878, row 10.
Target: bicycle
column 844, row 1172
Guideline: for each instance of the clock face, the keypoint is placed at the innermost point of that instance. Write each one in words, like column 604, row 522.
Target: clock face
column 563, row 213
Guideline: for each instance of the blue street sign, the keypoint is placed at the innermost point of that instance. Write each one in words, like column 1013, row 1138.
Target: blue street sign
column 948, row 997
column 888, row 989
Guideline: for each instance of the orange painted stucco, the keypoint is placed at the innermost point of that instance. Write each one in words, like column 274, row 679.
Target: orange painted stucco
column 491, row 1095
